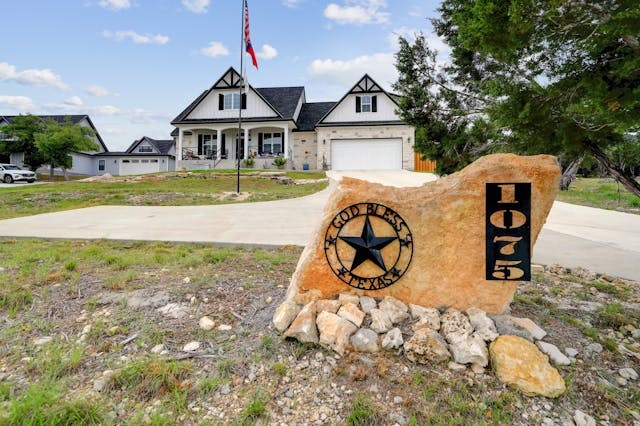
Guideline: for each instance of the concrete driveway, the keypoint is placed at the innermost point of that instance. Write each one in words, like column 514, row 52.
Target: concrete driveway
column 13, row 185
column 599, row 240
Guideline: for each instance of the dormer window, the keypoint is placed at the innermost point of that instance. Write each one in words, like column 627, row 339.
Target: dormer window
column 366, row 103
column 232, row 101
column 145, row 148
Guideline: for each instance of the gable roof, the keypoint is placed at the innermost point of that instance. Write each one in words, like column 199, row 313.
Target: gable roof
column 311, row 113
column 163, row 146
column 231, row 80
column 365, row 85
column 61, row 119
column 283, row 99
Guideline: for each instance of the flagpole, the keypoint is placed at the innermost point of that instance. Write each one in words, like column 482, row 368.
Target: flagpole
column 241, row 85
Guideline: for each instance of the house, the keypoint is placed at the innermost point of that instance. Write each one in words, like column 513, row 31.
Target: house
column 360, row 131
column 83, row 162
column 145, row 155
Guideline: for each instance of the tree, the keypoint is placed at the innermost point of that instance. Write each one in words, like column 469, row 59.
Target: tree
column 21, row 133
column 58, row 141
column 563, row 76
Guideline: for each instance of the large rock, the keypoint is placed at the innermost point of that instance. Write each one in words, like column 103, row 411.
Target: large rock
column 455, row 326
column 446, row 218
column 472, row 350
column 518, row 362
column 285, row 314
column 380, row 321
column 303, row 328
column 350, row 312
column 393, row 339
column 426, row 317
column 426, row 346
column 396, row 310
column 482, row 324
column 365, row 340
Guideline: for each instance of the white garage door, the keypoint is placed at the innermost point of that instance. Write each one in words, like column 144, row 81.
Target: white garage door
column 366, row 154
column 131, row 166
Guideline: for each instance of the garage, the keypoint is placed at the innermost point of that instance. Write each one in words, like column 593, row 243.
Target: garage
column 138, row 166
column 366, row 154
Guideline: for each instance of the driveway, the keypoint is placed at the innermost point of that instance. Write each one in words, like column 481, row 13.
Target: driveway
column 12, row 185
column 599, row 240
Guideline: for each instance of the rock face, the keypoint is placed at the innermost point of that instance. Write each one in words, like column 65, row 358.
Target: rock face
column 447, row 222
column 518, row 362
column 426, row 346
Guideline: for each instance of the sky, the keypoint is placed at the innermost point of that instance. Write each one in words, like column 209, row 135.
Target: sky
column 134, row 65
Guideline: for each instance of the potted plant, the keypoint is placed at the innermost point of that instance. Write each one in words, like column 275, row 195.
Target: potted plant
column 279, row 162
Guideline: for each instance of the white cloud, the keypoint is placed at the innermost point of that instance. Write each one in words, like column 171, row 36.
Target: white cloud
column 142, row 116
column 267, row 52
column 115, row 4
column 136, row 37
column 31, row 77
column 96, row 90
column 196, row 6
column 74, row 101
column 346, row 73
column 292, row 3
column 18, row 103
column 214, row 50
column 358, row 12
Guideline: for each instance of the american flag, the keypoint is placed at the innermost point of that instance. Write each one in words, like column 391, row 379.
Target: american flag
column 247, row 38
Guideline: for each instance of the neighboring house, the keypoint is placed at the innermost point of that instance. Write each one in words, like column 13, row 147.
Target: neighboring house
column 360, row 131
column 145, row 155
column 83, row 162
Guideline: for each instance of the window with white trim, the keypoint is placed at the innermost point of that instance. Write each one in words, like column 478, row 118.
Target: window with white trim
column 366, row 103
column 206, row 144
column 145, row 148
column 272, row 143
column 232, row 101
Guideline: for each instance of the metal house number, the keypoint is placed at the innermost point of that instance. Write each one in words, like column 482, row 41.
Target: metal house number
column 508, row 231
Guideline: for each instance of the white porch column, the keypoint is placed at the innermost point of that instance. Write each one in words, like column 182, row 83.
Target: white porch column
column 218, row 144
column 285, row 141
column 246, row 143
column 179, row 150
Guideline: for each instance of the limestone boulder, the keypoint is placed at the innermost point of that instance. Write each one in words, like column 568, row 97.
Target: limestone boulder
column 350, row 312
column 426, row 317
column 447, row 222
column 396, row 310
column 365, row 340
column 367, row 304
column 426, row 346
column 393, row 339
column 380, row 321
column 482, row 324
column 343, row 334
column 327, row 305
column 472, row 350
column 455, row 326
column 520, row 363
column 303, row 328
column 285, row 314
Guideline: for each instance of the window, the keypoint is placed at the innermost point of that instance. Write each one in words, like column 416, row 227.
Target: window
column 232, row 101
column 101, row 165
column 272, row 143
column 366, row 103
column 145, row 148
column 135, row 161
column 126, row 161
column 206, row 145
column 153, row 161
column 144, row 161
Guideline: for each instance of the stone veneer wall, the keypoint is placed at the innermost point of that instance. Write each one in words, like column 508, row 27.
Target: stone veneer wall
column 305, row 149
column 407, row 133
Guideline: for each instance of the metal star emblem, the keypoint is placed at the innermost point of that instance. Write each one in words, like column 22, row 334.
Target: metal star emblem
column 368, row 246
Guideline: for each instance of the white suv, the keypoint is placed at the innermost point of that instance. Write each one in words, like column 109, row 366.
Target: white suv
column 10, row 173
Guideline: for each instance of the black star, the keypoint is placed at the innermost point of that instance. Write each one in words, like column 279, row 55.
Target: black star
column 406, row 241
column 368, row 246
column 395, row 272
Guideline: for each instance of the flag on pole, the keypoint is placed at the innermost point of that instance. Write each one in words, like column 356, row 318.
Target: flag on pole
column 247, row 38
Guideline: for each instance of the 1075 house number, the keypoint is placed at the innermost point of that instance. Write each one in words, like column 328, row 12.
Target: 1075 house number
column 508, row 231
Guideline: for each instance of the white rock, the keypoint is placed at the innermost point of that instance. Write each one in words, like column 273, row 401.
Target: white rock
column 186, row 280
column 396, row 310
column 206, row 323
column 482, row 324
column 365, row 340
column 367, row 304
column 454, row 366
column 42, row 341
column 455, row 326
column 157, row 349
column 426, row 317
column 471, row 350
column 303, row 328
column 173, row 310
column 380, row 321
column 350, row 312
column 553, row 352
column 224, row 327
column 328, row 324
column 393, row 339
column 572, row 353
column 348, row 298
column 191, row 347
column 536, row 331
column 583, row 419
column 285, row 314
column 594, row 347
column 628, row 373
column 426, row 346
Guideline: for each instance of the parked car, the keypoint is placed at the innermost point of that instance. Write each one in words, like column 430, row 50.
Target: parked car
column 10, row 173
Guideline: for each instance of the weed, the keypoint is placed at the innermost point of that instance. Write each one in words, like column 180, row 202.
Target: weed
column 417, row 379
column 280, row 368
column 614, row 315
column 256, row 409
column 71, row 266
column 14, row 300
column 5, row 391
column 149, row 378
column 220, row 255
column 363, row 410
column 208, row 386
column 267, row 343
column 225, row 368
column 618, row 291
column 56, row 361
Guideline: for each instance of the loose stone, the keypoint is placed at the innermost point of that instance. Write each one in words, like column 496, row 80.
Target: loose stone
column 380, row 321
column 427, row 317
column 482, row 324
column 348, row 298
column 393, row 339
column 328, row 324
column 206, row 323
column 328, row 305
column 536, row 331
column 365, row 340
column 572, row 353
column 471, row 350
column 583, row 419
column 594, row 347
column 191, row 347
column 426, row 346
column 303, row 328
column 455, row 326
column 628, row 373
column 285, row 314
column 554, row 353
column 396, row 310
column 367, row 304
column 350, row 312
column 454, row 366
column 506, row 326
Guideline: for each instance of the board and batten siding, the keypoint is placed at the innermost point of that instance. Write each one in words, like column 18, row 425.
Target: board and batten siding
column 209, row 107
column 345, row 111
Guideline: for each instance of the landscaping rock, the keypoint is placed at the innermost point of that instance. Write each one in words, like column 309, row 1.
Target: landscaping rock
column 365, row 340
column 426, row 346
column 380, row 321
column 349, row 298
column 303, row 328
column 628, row 373
column 326, row 305
column 393, row 339
column 482, row 324
column 140, row 299
column 471, row 350
column 455, row 326
column 328, row 324
column 173, row 310
column 285, row 314
column 594, row 347
column 191, row 347
column 350, row 312
column 519, row 362
column 343, row 333
column 427, row 317
column 554, row 353
column 571, row 353
column 536, row 332
column 506, row 326
column 396, row 310
column 367, row 304
column 206, row 323
column 583, row 419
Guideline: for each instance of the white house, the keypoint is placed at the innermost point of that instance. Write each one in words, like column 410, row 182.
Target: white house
column 145, row 155
column 360, row 131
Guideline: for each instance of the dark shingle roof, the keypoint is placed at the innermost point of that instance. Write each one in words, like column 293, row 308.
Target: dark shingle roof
column 311, row 113
column 162, row 145
column 283, row 99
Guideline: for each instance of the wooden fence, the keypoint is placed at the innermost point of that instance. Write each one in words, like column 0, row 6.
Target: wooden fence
column 420, row 165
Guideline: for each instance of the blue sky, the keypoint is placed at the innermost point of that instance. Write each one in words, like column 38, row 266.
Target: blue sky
column 133, row 65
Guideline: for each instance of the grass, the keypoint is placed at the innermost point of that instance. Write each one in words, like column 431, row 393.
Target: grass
column 601, row 193
column 256, row 409
column 201, row 188
column 362, row 412
column 151, row 378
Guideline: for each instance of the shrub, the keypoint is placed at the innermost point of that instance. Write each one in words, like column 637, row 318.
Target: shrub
column 279, row 162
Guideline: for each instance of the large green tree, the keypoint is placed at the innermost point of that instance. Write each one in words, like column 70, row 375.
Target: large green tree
column 550, row 76
column 58, row 141
column 20, row 136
